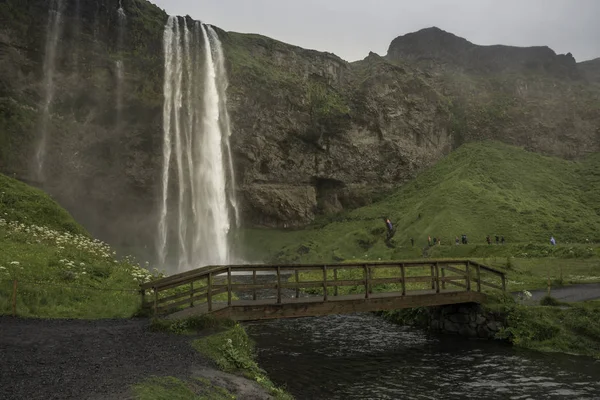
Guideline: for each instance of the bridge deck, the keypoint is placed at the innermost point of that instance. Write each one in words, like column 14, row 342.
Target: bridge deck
column 281, row 292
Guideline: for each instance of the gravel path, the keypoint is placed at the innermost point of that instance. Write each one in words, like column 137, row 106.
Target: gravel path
column 571, row 293
column 76, row 359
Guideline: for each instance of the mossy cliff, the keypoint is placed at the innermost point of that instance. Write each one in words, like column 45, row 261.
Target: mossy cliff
column 312, row 133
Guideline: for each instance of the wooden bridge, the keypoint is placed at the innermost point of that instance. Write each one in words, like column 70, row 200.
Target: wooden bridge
column 253, row 292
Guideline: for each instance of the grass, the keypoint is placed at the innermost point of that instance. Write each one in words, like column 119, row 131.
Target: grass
column 571, row 329
column 60, row 271
column 233, row 352
column 481, row 189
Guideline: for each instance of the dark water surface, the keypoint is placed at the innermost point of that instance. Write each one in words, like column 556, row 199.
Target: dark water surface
column 362, row 356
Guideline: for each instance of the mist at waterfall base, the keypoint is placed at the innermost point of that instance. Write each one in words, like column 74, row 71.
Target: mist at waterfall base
column 198, row 206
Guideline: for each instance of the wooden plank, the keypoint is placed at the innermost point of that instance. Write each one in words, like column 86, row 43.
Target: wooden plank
column 180, row 295
column 347, row 306
column 170, row 306
column 422, row 278
column 229, row 286
column 457, row 284
column 209, row 292
column 335, row 278
column 297, row 281
column 484, row 283
column 324, row 282
column 384, row 280
column 254, row 283
column 468, row 269
column 278, row 285
column 366, row 275
column 437, row 278
column 455, row 270
column 443, row 276
column 402, row 272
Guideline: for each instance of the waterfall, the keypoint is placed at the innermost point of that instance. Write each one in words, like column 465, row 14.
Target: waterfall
column 120, row 66
column 52, row 36
column 223, row 83
column 194, row 220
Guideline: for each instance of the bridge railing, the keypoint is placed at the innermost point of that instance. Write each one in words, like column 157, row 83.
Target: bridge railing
column 216, row 287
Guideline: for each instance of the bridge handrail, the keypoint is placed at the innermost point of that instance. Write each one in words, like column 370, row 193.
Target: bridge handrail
column 439, row 273
column 203, row 271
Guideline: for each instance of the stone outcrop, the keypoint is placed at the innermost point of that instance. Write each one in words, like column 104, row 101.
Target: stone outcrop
column 470, row 320
column 312, row 133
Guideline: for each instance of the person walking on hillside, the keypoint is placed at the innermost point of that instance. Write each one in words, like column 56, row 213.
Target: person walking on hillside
column 456, row 242
column 497, row 240
column 488, row 239
column 552, row 241
column 412, row 242
column 502, row 240
column 429, row 240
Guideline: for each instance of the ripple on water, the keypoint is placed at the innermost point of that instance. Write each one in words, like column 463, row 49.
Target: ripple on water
column 362, row 356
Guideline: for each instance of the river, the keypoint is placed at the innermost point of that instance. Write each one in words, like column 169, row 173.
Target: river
column 362, row 356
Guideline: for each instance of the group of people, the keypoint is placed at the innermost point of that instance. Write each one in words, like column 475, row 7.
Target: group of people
column 463, row 239
column 499, row 239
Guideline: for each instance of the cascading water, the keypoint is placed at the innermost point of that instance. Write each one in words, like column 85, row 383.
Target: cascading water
column 194, row 231
column 223, row 83
column 52, row 35
column 120, row 66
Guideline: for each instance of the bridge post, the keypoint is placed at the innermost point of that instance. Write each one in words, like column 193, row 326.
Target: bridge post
column 324, row 282
column 443, row 277
column 297, row 283
column 278, row 284
column 366, row 281
column 403, row 276
column 254, row 285
column 478, row 271
column 209, row 292
column 468, row 270
column 192, row 294
column 432, row 277
column 229, row 285
column 503, row 282
column 335, row 278
column 437, row 278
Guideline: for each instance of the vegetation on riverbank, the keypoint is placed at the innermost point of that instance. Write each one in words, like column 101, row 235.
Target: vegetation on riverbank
column 567, row 328
column 171, row 388
column 233, row 351
column 222, row 341
column 552, row 326
column 60, row 271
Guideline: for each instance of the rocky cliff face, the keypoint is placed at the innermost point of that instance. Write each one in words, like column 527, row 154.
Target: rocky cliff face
column 530, row 96
column 311, row 133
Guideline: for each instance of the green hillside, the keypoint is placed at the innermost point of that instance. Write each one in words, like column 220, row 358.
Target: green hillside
column 481, row 189
column 60, row 271
column 22, row 203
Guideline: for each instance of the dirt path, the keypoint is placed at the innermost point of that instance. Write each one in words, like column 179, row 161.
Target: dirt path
column 75, row 359
column 571, row 293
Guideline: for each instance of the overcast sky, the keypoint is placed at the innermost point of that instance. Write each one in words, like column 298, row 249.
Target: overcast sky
column 352, row 28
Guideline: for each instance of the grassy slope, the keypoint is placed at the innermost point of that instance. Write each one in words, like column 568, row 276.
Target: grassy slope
column 60, row 271
column 482, row 188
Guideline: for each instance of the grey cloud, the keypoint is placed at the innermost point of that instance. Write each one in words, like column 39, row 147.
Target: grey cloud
column 352, row 28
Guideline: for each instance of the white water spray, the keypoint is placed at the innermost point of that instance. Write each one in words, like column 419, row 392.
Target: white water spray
column 120, row 65
column 52, row 36
column 194, row 225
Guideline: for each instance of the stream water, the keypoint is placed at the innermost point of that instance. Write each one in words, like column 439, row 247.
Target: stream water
column 362, row 356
